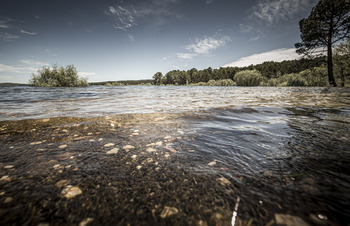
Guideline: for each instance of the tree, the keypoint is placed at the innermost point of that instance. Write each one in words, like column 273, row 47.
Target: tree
column 327, row 24
column 57, row 77
column 158, row 78
column 342, row 60
column 248, row 78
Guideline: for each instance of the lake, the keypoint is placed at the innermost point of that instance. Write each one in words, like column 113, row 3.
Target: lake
column 175, row 155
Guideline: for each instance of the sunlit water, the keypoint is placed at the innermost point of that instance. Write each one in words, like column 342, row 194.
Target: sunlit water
column 287, row 147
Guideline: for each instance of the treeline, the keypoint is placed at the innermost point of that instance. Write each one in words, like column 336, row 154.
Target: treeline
column 302, row 72
column 123, row 83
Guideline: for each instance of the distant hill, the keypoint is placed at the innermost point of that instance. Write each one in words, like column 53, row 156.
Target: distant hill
column 12, row 84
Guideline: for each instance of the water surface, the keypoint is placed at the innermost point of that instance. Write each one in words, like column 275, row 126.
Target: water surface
column 282, row 151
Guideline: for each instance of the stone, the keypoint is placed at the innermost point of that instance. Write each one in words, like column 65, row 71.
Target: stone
column 71, row 191
column 8, row 167
column 223, row 181
column 45, row 120
column 289, row 220
column 134, row 156
column 172, row 150
column 113, row 151
column 213, row 163
column 168, row 212
column 8, row 200
column 86, row 221
column 109, row 145
column 62, row 146
column 128, row 147
column 159, row 143
column 150, row 150
column 35, row 143
column 138, row 167
column 62, row 183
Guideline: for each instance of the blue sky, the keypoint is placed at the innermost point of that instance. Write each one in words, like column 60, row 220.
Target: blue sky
column 133, row 39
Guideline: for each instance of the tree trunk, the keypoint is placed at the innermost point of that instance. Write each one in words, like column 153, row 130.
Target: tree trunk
column 330, row 64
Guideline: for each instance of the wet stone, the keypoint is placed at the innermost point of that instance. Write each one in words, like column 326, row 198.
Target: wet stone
column 71, row 191
column 168, row 212
column 223, row 181
column 86, row 221
column 109, row 145
column 289, row 220
column 8, row 200
column 62, row 146
column 150, row 150
column 113, row 151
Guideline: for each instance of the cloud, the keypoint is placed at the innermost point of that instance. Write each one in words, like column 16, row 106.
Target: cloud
column 186, row 56
column 122, row 18
column 17, row 69
column 125, row 16
column 209, row 2
column 8, row 37
column 10, row 30
column 35, row 63
column 131, row 37
column 203, row 46
column 277, row 55
column 272, row 11
column 27, row 32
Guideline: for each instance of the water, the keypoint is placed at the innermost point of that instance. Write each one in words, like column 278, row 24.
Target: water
column 283, row 150
column 28, row 102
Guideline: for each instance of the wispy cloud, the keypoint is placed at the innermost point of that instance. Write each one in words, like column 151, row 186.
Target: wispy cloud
column 10, row 30
column 35, row 63
column 125, row 16
column 131, row 37
column 27, row 32
column 8, row 37
column 203, row 46
column 186, row 56
column 17, row 69
column 277, row 55
column 272, row 11
column 267, row 13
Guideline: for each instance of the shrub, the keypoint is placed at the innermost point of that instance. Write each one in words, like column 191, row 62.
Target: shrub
column 57, row 77
column 248, row 78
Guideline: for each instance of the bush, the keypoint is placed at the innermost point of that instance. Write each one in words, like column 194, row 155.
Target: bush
column 248, row 78
column 57, row 77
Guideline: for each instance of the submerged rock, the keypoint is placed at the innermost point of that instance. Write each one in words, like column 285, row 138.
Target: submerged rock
column 113, row 151
column 86, row 221
column 289, row 220
column 168, row 212
column 109, row 145
column 71, row 191
column 223, row 181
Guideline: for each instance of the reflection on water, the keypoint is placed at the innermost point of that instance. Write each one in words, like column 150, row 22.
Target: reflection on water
column 29, row 102
column 281, row 150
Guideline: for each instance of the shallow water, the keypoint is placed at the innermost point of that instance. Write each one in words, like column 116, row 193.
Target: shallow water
column 281, row 150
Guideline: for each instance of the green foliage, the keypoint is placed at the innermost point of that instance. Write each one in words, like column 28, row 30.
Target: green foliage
column 327, row 24
column 248, row 78
column 57, row 77
column 158, row 78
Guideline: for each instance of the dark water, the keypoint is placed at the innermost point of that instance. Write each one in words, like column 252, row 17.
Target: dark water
column 282, row 150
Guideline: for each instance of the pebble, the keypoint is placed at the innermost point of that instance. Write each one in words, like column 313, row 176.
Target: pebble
column 289, row 220
column 109, row 145
column 134, row 156
column 86, row 221
column 172, row 150
column 223, row 181
column 213, row 163
column 5, row 178
column 71, row 191
column 138, row 167
column 113, row 151
column 128, row 147
column 62, row 146
column 135, row 134
column 62, row 183
column 168, row 212
column 149, row 160
column 8, row 167
column 8, row 200
column 45, row 120
column 57, row 166
column 150, row 150
column 35, row 143
column 159, row 143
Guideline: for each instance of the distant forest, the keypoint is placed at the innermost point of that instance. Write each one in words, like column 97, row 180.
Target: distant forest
column 302, row 72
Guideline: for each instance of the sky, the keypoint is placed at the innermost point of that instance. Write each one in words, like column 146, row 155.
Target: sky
column 110, row 40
